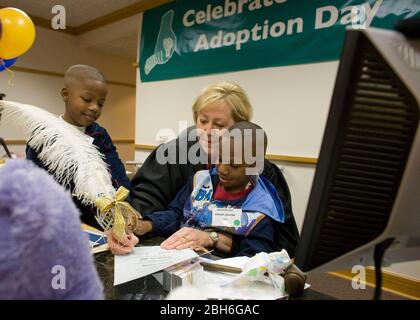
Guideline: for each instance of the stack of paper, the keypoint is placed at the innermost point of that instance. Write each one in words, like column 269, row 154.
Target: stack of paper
column 188, row 274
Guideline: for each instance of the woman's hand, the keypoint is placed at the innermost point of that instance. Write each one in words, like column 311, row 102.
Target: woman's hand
column 188, row 238
column 121, row 247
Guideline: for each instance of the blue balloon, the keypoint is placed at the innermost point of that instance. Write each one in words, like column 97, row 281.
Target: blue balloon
column 6, row 63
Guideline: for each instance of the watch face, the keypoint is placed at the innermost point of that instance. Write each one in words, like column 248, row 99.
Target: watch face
column 214, row 236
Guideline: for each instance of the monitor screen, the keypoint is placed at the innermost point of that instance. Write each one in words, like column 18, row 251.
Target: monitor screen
column 368, row 162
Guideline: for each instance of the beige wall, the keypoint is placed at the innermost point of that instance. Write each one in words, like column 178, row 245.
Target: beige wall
column 55, row 52
column 118, row 117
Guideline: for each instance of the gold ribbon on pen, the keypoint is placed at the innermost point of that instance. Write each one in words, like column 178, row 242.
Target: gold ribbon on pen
column 121, row 211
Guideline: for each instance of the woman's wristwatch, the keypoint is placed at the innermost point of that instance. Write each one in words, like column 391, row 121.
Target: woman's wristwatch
column 215, row 237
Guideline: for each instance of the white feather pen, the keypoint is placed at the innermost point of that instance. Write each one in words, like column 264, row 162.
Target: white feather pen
column 63, row 149
column 68, row 155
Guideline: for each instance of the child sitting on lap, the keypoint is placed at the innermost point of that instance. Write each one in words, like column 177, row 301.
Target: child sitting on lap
column 223, row 203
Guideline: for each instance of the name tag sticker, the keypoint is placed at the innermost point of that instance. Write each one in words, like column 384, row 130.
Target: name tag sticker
column 226, row 217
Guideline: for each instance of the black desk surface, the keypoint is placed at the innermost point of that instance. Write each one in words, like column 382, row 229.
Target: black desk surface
column 148, row 288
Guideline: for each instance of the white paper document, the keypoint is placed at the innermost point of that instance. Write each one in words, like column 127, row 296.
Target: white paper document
column 147, row 260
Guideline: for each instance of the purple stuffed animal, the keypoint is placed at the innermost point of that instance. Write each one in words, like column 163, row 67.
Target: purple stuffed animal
column 44, row 254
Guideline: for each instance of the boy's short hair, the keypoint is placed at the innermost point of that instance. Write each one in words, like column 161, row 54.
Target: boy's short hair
column 246, row 128
column 242, row 133
column 81, row 72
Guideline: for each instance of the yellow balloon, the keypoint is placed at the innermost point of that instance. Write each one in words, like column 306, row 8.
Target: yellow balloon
column 17, row 33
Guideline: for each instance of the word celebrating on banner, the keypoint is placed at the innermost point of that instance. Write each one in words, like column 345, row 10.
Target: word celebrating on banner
column 188, row 38
column 325, row 17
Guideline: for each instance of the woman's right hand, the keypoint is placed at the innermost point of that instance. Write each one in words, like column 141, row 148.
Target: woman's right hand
column 124, row 246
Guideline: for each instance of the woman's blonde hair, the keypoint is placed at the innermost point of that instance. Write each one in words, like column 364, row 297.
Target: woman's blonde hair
column 225, row 91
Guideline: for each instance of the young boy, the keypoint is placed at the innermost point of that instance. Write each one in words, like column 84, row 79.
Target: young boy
column 224, row 208
column 84, row 95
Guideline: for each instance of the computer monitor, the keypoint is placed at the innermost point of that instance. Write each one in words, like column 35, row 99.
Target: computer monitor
column 366, row 188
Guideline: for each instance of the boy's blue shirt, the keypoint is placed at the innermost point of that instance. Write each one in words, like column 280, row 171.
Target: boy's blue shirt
column 103, row 141
column 262, row 199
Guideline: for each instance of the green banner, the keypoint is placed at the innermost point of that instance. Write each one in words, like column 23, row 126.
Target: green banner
column 198, row 37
